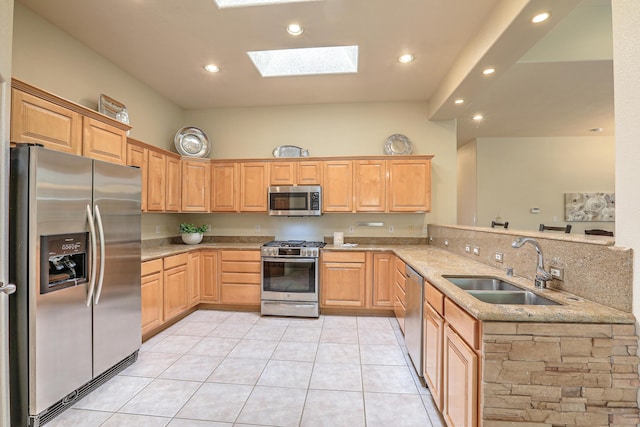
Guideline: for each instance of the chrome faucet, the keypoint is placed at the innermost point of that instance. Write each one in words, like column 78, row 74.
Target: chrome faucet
column 542, row 276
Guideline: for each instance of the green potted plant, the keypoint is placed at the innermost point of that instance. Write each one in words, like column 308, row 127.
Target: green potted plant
column 192, row 234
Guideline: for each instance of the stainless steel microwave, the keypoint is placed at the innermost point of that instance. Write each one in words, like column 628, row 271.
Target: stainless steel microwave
column 289, row 200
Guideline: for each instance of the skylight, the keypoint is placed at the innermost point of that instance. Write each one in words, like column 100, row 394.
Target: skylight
column 242, row 3
column 308, row 61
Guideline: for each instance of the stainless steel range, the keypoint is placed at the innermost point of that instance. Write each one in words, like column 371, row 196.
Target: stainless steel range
column 290, row 278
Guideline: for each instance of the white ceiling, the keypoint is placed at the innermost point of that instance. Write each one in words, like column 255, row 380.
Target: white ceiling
column 165, row 43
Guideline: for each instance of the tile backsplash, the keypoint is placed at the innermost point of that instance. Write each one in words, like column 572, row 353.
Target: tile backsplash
column 593, row 267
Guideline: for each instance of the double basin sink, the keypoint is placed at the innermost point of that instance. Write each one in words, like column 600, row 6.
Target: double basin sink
column 496, row 291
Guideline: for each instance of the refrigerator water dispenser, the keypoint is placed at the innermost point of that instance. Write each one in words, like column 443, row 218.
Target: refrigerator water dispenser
column 64, row 261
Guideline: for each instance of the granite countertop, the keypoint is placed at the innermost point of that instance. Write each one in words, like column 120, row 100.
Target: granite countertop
column 433, row 263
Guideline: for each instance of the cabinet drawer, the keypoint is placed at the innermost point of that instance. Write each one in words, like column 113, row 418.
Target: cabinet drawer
column 240, row 267
column 240, row 255
column 465, row 324
column 244, row 278
column 434, row 297
column 343, row 256
column 150, row 267
column 401, row 295
column 240, row 294
column 400, row 265
column 175, row 260
column 401, row 279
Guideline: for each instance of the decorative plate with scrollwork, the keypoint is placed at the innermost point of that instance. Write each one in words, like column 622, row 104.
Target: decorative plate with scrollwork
column 397, row 144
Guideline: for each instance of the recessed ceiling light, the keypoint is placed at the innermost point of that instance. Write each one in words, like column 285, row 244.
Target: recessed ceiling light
column 488, row 71
column 212, row 68
column 541, row 17
column 478, row 117
column 241, row 3
column 459, row 101
column 306, row 61
column 406, row 58
column 295, row 29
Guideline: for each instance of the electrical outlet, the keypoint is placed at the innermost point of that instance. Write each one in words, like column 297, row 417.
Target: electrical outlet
column 351, row 229
column 157, row 229
column 499, row 256
column 476, row 251
column 257, row 229
column 467, row 248
column 425, row 229
column 208, row 227
column 557, row 273
column 446, row 242
column 391, row 229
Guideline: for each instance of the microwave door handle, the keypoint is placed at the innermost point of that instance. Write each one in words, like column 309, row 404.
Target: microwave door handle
column 94, row 255
column 102, row 255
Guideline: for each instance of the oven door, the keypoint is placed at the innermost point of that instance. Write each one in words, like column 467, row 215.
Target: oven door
column 290, row 279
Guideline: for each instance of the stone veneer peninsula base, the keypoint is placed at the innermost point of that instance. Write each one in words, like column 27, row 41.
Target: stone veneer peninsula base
column 557, row 374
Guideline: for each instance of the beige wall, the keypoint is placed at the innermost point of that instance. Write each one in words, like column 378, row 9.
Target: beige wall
column 517, row 174
column 49, row 58
column 467, row 184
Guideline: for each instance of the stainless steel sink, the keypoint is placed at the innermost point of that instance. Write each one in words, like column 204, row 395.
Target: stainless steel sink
column 511, row 297
column 496, row 291
column 480, row 283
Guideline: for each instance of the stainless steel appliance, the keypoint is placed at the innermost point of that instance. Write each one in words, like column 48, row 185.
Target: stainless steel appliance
column 413, row 319
column 290, row 278
column 75, row 259
column 288, row 200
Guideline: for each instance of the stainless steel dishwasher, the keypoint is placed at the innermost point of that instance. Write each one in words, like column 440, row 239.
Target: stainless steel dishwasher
column 413, row 319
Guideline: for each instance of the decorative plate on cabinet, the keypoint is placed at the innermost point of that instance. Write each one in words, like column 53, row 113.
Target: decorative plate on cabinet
column 397, row 144
column 192, row 142
column 290, row 151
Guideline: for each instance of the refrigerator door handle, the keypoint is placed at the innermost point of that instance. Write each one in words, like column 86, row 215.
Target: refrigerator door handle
column 102, row 255
column 94, row 255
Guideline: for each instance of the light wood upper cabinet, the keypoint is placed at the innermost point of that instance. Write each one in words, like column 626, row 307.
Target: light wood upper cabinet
column 196, row 178
column 369, row 183
column 138, row 156
column 103, row 142
column 156, row 181
column 36, row 120
column 283, row 173
column 383, row 280
column 224, row 186
column 254, row 182
column 309, row 172
column 409, row 188
column 209, row 288
column 176, row 293
column 173, row 181
column 337, row 186
column 343, row 276
column 151, row 295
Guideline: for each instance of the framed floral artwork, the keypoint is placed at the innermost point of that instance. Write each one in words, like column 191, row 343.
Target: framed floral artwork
column 581, row 207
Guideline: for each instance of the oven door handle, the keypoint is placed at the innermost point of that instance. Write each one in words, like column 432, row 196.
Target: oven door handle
column 286, row 259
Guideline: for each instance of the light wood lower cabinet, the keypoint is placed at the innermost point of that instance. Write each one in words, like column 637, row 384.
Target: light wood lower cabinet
column 240, row 277
column 152, row 295
column 210, row 280
column 383, row 280
column 460, row 379
column 433, row 330
column 399, row 304
column 343, row 277
column 176, row 293
column 194, row 275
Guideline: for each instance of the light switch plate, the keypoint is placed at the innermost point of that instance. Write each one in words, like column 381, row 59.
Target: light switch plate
column 476, row 251
column 467, row 248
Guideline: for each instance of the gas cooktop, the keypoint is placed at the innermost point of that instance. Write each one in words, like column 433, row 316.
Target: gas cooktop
column 294, row 244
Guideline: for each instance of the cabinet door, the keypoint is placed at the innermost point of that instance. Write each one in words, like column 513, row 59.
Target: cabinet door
column 343, row 278
column 193, row 278
column 175, row 286
column 224, row 187
column 283, row 173
column 254, row 179
column 309, row 172
column 409, row 185
column 209, row 290
column 460, row 382
column 399, row 306
column 103, row 142
column 370, row 185
column 137, row 156
column 156, row 181
column 383, row 280
column 174, row 188
column 152, row 296
column 195, row 186
column 36, row 120
column 433, row 330
column 337, row 186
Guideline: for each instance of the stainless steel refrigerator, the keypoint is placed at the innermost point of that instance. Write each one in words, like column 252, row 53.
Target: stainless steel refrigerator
column 75, row 259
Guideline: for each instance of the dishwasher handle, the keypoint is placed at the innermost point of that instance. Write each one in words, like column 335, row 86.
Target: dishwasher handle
column 414, row 275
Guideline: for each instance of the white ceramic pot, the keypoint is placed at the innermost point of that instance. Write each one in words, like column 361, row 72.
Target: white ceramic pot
column 191, row 238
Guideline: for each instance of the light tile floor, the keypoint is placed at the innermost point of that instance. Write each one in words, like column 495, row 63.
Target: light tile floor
column 222, row 368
